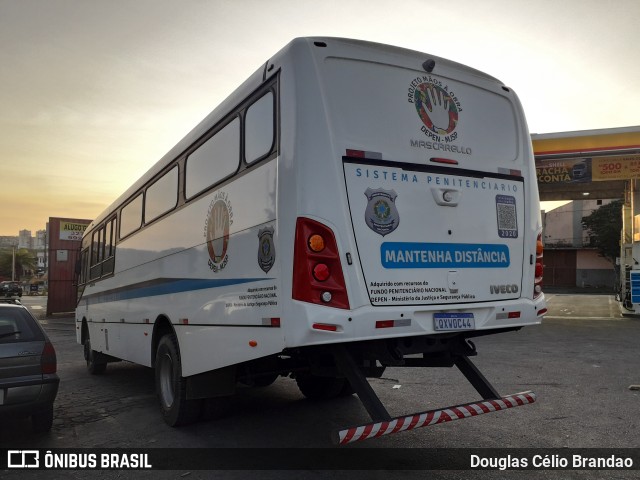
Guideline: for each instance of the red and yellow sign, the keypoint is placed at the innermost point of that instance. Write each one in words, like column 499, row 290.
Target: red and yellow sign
column 621, row 167
column 586, row 142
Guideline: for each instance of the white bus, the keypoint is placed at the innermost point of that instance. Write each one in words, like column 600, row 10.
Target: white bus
column 349, row 206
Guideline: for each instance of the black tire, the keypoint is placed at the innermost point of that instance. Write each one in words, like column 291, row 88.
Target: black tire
column 171, row 386
column 316, row 388
column 42, row 421
column 347, row 389
column 96, row 364
column 260, row 381
column 216, row 407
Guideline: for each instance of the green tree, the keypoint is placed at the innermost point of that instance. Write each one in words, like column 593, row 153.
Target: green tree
column 24, row 261
column 604, row 226
column 5, row 262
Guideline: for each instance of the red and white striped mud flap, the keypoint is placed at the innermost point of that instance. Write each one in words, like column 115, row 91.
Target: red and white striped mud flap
column 432, row 417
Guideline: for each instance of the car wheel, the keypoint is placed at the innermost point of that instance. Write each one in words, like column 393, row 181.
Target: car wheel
column 316, row 387
column 42, row 421
column 171, row 386
column 95, row 364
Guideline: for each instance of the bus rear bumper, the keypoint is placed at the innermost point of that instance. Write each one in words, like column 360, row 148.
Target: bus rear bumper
column 318, row 325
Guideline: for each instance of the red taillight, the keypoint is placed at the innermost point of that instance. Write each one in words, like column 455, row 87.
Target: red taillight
column 317, row 272
column 385, row 324
column 447, row 161
column 325, row 327
column 321, row 272
column 355, row 153
column 48, row 362
column 539, row 268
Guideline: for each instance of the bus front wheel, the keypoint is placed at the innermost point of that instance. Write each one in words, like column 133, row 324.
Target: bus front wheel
column 171, row 386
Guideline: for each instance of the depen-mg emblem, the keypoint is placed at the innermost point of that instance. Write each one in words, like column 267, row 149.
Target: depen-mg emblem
column 381, row 213
column 266, row 249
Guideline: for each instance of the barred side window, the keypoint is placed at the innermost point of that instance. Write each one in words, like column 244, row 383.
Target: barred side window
column 131, row 217
column 162, row 196
column 215, row 160
column 259, row 129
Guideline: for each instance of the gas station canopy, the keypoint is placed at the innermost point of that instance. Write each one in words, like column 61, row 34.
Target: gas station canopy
column 592, row 164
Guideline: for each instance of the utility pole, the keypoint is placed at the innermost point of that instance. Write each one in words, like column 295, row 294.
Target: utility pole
column 13, row 264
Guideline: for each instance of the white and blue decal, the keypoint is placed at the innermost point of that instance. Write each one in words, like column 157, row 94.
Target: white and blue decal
column 443, row 255
column 381, row 214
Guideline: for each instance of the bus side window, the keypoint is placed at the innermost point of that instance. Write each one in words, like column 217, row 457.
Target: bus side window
column 131, row 217
column 108, row 240
column 97, row 245
column 162, row 196
column 215, row 160
column 259, row 121
column 110, row 248
column 82, row 266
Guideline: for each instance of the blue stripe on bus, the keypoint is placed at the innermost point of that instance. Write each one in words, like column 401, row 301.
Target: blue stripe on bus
column 163, row 286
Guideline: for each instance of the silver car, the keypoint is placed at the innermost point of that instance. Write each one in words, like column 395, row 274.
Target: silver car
column 28, row 379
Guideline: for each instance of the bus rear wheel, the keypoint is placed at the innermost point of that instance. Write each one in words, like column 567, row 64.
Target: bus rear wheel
column 171, row 386
column 316, row 387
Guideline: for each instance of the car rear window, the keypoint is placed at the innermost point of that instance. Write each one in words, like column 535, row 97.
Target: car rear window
column 16, row 325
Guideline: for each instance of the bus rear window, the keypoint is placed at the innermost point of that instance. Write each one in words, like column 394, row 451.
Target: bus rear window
column 411, row 114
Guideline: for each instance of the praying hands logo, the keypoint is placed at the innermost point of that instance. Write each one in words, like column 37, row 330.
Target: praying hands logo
column 437, row 110
column 218, row 223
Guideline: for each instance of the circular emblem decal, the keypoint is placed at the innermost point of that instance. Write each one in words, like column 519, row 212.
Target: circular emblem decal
column 219, row 220
column 436, row 108
column 266, row 249
column 382, row 210
column 381, row 213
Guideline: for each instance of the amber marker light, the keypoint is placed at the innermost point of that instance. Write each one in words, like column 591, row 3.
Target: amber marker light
column 316, row 243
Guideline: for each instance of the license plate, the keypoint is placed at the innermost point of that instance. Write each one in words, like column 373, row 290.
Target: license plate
column 443, row 322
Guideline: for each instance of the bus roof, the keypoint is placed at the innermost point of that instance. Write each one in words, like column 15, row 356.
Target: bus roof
column 348, row 48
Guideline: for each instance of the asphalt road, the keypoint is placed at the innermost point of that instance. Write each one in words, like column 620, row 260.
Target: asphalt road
column 580, row 362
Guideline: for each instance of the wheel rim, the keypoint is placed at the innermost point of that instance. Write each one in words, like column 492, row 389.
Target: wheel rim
column 166, row 380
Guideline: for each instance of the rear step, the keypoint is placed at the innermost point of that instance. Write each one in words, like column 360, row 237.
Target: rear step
column 383, row 424
column 432, row 417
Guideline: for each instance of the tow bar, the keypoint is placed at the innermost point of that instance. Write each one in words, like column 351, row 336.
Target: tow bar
column 383, row 424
